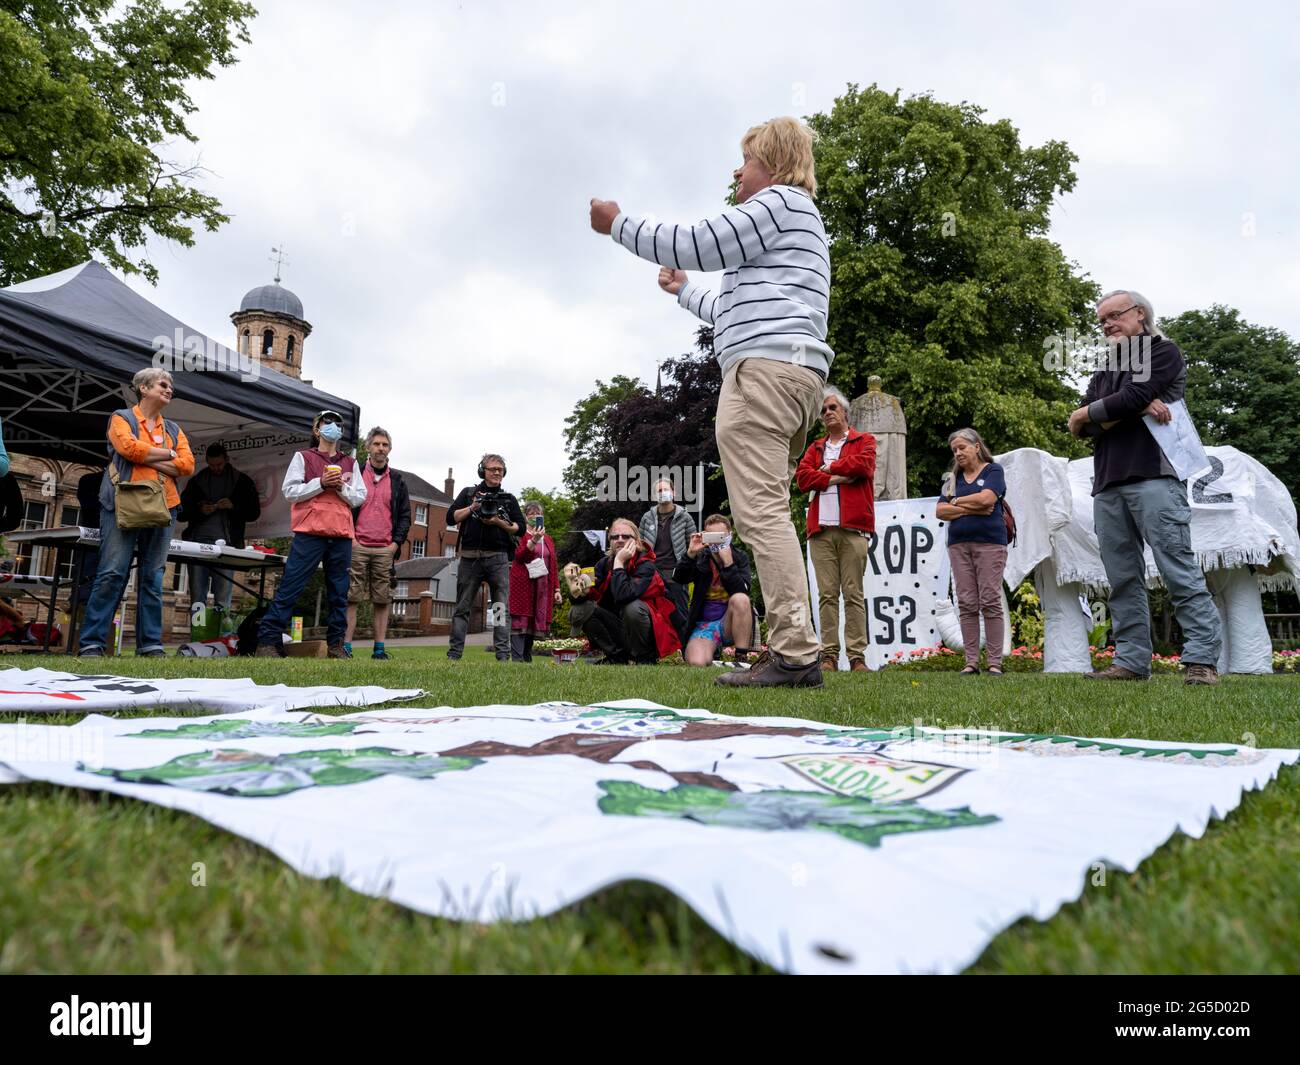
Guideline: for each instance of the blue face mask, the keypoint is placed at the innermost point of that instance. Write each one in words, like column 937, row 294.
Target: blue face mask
column 331, row 431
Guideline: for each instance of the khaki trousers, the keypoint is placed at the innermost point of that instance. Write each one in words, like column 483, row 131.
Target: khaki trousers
column 839, row 558
column 765, row 412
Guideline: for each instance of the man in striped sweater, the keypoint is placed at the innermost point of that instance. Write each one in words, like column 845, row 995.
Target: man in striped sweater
column 769, row 335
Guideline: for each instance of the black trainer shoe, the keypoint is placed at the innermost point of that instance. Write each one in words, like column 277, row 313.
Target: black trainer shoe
column 381, row 654
column 772, row 671
column 337, row 650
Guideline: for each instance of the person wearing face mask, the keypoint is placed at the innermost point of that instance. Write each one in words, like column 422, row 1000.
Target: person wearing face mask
column 489, row 520
column 669, row 528
column 839, row 470
column 322, row 487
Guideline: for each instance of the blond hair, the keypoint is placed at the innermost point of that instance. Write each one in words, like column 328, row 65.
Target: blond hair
column 785, row 147
column 610, row 550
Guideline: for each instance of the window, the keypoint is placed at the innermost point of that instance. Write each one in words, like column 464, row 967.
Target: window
column 245, row 343
column 449, row 551
column 421, row 514
column 403, row 589
column 180, row 578
column 268, row 338
column 417, row 549
column 289, row 350
column 31, row 560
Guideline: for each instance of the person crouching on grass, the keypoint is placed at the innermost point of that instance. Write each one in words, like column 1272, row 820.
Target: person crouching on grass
column 627, row 612
column 721, row 610
column 322, row 488
column 769, row 321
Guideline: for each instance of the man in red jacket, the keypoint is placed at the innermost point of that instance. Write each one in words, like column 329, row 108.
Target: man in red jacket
column 839, row 470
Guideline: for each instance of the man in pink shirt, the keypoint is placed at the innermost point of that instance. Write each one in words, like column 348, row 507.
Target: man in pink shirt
column 382, row 523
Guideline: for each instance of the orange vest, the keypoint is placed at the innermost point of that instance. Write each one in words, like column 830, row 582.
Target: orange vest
column 327, row 513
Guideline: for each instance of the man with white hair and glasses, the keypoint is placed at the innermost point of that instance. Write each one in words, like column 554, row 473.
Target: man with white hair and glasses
column 839, row 470
column 1138, row 497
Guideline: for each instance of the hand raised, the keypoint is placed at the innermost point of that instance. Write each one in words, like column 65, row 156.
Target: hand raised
column 603, row 213
column 672, row 281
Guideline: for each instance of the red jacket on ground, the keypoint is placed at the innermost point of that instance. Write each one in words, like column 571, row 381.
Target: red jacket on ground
column 857, row 500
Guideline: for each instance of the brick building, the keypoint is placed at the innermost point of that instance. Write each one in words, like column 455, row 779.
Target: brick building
column 269, row 321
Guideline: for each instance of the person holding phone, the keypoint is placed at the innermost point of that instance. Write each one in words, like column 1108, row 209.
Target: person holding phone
column 721, row 610
column 534, row 585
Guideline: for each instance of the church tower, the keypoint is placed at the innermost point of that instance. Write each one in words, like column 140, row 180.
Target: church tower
column 270, row 326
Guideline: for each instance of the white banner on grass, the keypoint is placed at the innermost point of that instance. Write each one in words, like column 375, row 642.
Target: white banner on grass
column 50, row 691
column 815, row 849
column 906, row 579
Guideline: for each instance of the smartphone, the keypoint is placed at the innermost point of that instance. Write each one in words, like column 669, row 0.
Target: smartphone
column 713, row 537
column 536, row 521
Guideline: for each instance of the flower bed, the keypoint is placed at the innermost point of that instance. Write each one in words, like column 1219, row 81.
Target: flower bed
column 1020, row 660
column 566, row 646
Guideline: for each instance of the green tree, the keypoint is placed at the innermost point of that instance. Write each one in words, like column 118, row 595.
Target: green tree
column 1243, row 386
column 943, row 279
column 587, row 440
column 92, row 92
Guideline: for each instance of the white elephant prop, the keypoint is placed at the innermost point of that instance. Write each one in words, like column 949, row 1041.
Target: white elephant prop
column 1242, row 516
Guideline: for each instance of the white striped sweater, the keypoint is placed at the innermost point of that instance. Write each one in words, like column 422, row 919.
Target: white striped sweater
column 776, row 285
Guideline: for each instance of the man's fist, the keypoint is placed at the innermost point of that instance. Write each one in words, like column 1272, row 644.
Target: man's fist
column 671, row 281
column 603, row 213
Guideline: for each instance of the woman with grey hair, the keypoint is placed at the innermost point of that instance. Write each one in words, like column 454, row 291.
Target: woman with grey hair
column 970, row 501
column 142, row 446
column 534, row 584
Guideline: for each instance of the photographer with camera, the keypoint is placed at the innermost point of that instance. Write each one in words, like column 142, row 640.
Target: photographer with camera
column 488, row 519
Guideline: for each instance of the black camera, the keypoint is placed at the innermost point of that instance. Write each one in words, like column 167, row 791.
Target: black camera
column 490, row 504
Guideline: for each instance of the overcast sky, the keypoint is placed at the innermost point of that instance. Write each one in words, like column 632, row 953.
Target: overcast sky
column 429, row 165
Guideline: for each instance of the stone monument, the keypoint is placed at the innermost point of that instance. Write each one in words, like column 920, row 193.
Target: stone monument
column 881, row 415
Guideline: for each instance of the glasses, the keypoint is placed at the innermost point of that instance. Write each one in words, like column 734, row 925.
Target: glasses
column 1115, row 316
column 620, row 536
column 494, row 469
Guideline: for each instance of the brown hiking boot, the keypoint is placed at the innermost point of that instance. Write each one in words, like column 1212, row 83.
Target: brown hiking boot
column 856, row 665
column 770, row 671
column 337, row 650
column 1197, row 674
column 829, row 664
column 268, row 650
column 1114, row 672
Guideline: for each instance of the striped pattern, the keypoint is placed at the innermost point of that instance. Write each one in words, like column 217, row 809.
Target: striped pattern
column 775, row 290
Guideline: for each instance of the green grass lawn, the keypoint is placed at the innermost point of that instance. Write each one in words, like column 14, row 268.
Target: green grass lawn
column 92, row 883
